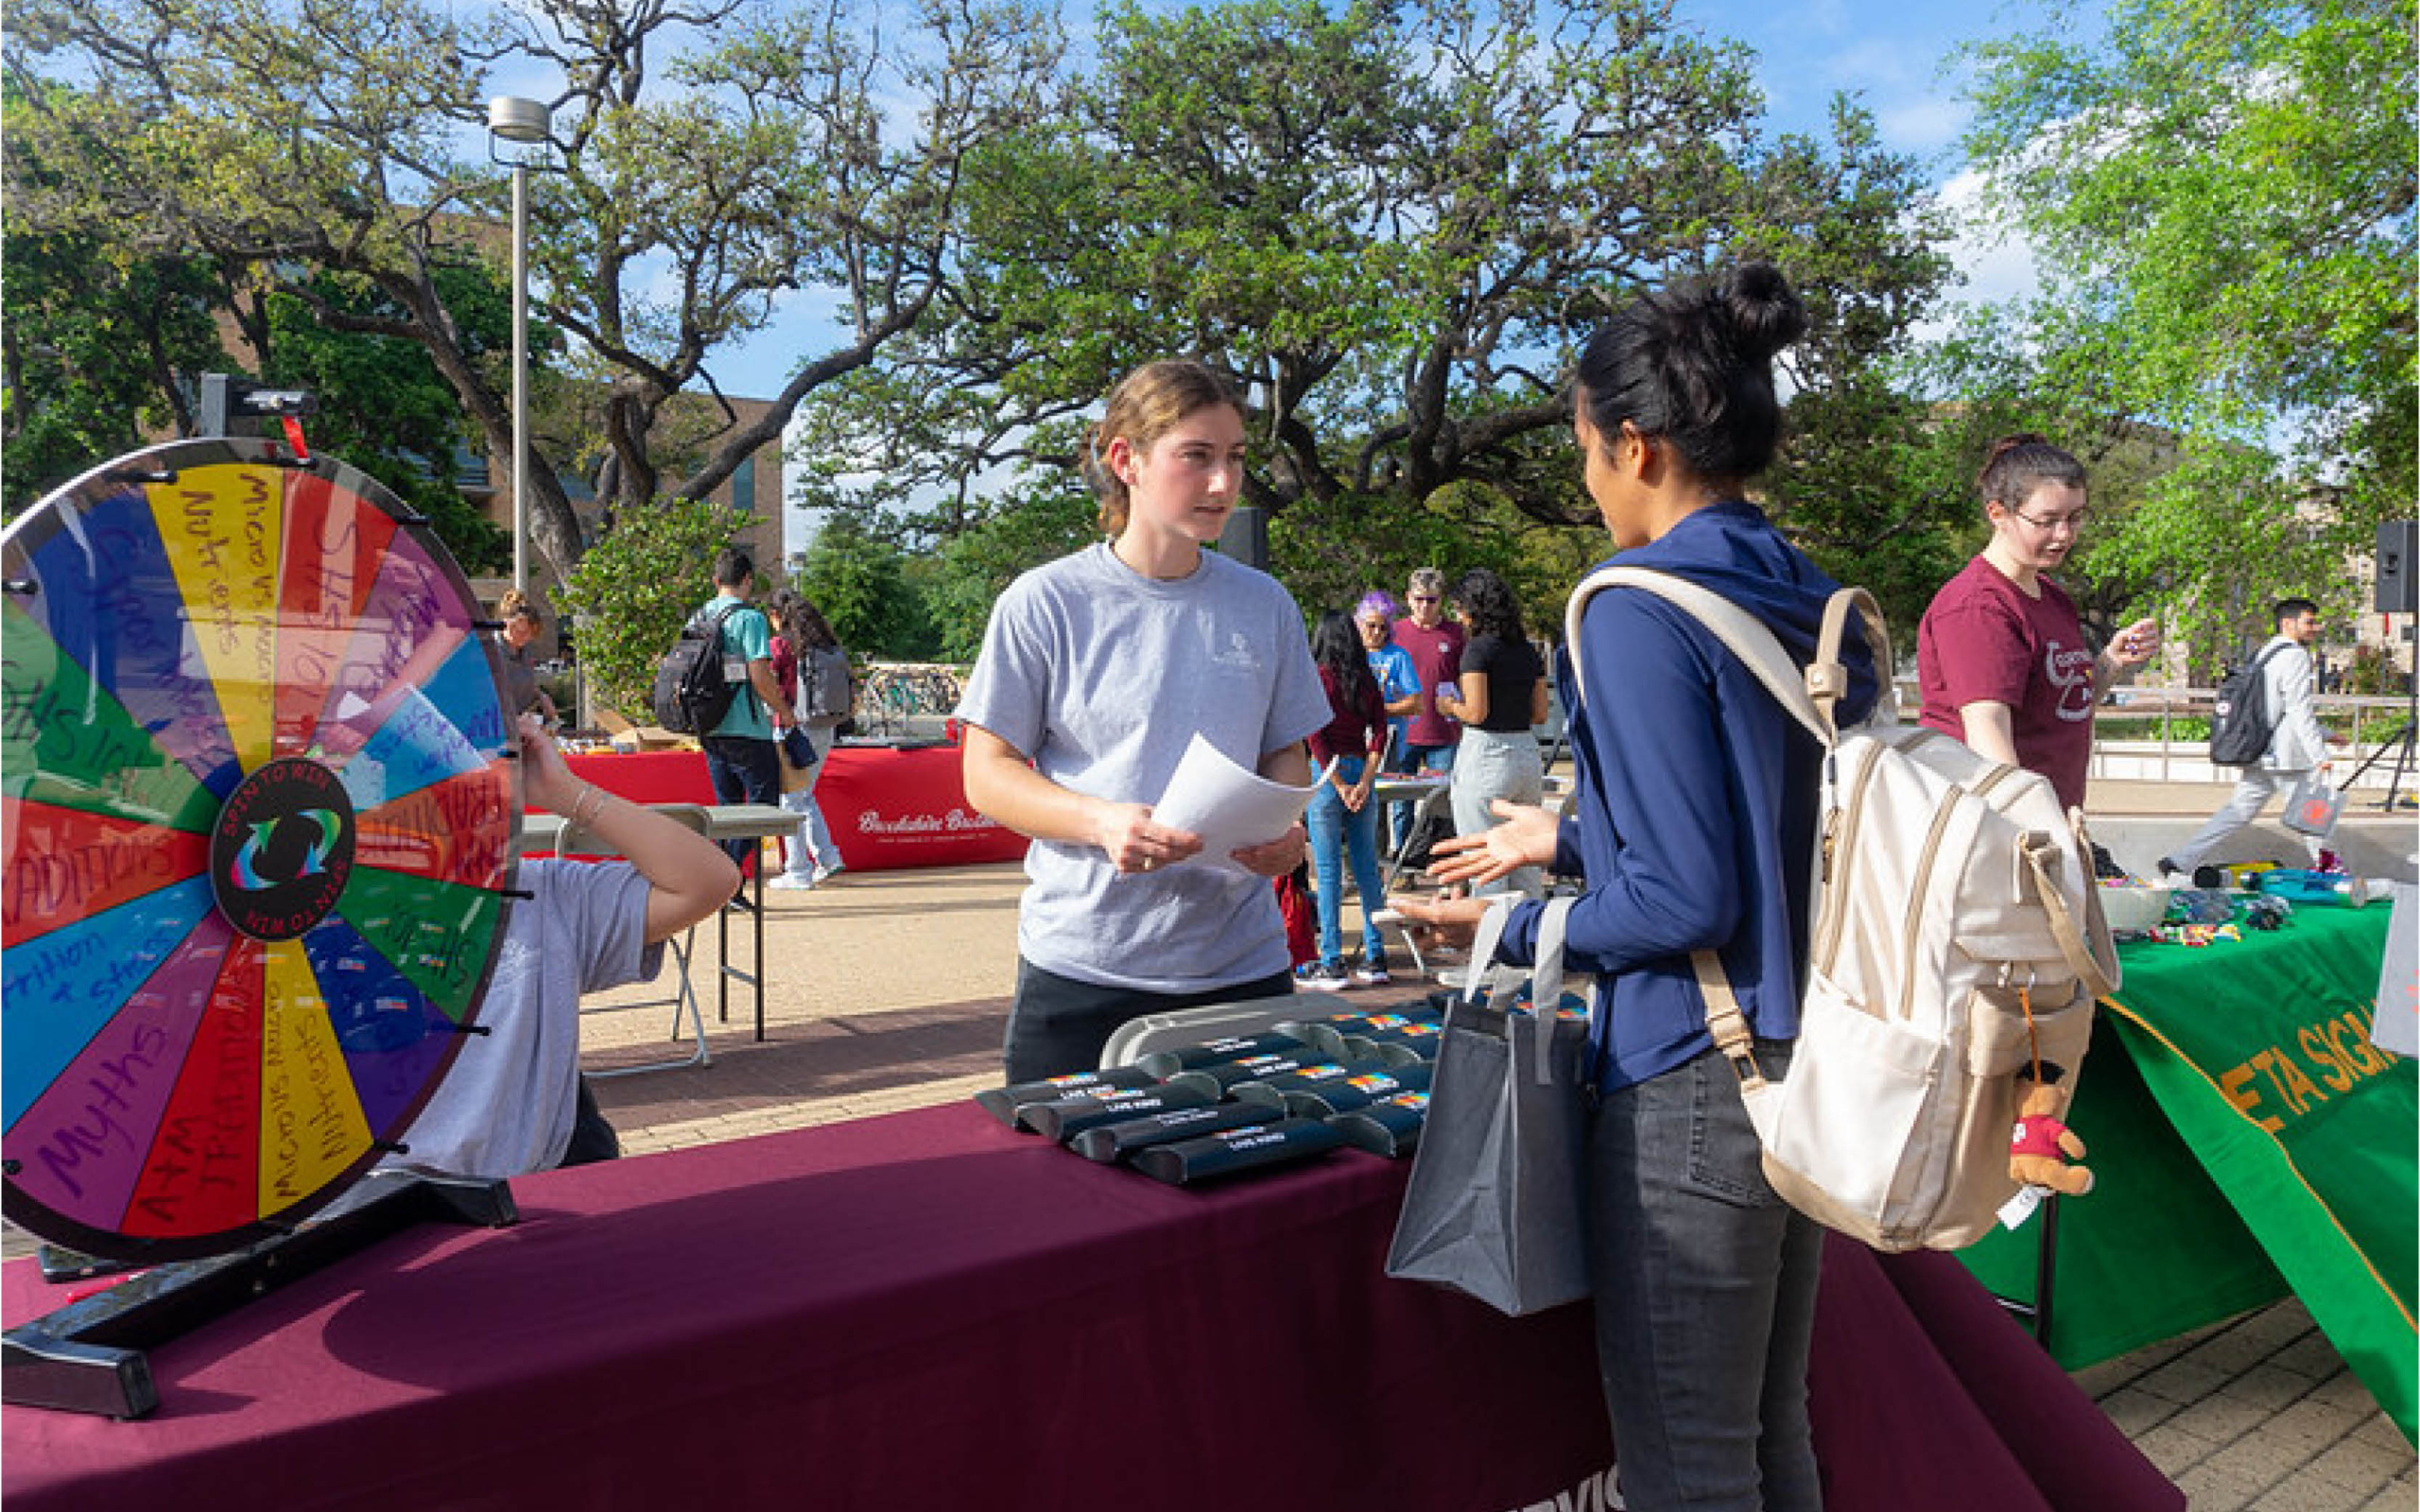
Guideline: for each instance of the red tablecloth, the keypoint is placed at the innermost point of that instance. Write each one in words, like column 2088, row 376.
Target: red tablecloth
column 886, row 807
column 928, row 1311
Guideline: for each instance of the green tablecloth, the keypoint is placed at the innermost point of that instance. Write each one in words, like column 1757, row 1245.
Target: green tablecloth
column 2248, row 1139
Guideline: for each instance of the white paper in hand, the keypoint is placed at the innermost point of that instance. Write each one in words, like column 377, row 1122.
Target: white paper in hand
column 1225, row 804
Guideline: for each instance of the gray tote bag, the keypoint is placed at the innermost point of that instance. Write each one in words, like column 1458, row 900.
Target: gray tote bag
column 1495, row 1203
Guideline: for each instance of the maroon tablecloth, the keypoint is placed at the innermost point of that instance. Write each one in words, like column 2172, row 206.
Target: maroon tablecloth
column 926, row 1310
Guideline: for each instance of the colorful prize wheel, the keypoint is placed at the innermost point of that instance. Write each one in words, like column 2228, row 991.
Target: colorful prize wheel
column 258, row 827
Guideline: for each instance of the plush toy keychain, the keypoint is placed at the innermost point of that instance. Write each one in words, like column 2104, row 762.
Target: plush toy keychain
column 2042, row 1148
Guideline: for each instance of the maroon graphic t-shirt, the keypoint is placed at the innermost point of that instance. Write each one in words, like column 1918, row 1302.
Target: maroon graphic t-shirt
column 1984, row 638
column 1436, row 652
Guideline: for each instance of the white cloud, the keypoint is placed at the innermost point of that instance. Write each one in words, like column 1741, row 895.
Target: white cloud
column 1996, row 262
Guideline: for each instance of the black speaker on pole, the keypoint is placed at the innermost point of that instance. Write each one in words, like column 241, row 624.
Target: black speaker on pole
column 1246, row 537
column 2398, row 575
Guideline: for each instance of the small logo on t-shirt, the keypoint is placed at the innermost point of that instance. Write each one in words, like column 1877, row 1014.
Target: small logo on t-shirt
column 2070, row 672
column 1236, row 653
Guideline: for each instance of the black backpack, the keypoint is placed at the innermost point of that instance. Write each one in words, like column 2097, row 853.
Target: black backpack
column 823, row 683
column 2240, row 724
column 691, row 692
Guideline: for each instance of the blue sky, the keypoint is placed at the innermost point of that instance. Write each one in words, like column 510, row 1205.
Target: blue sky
column 1892, row 55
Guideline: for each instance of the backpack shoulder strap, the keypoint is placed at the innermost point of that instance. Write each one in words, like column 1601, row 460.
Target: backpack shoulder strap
column 714, row 633
column 1804, row 695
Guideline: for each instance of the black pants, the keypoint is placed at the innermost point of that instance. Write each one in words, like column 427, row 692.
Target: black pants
column 744, row 770
column 591, row 1138
column 1058, row 1025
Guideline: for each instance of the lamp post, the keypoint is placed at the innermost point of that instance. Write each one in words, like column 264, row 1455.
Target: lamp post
column 524, row 123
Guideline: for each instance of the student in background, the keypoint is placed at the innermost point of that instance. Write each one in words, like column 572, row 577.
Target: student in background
column 2297, row 745
column 1435, row 644
column 739, row 750
column 1342, row 820
column 1500, row 693
column 513, row 642
column 1399, row 683
column 806, row 653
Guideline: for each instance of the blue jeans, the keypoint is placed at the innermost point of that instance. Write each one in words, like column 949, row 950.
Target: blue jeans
column 1408, row 759
column 1338, row 832
column 1704, row 1288
column 813, row 847
column 744, row 770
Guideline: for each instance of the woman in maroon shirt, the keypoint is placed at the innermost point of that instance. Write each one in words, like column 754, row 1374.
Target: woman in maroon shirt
column 2001, row 656
column 1343, row 822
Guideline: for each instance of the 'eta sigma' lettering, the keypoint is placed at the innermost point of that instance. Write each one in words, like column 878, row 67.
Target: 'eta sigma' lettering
column 2338, row 1050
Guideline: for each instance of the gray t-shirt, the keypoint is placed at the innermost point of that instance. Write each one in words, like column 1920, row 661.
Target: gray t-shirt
column 1103, row 677
column 507, row 1104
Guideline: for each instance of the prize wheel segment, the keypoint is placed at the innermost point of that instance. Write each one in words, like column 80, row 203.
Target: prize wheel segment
column 258, row 822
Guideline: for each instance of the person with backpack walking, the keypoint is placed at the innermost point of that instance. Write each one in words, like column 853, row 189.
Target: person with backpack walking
column 1096, row 672
column 1342, row 820
column 813, row 669
column 1693, row 824
column 740, row 758
column 2296, row 745
column 2000, row 655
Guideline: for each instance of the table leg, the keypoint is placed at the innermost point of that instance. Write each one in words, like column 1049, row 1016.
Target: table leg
column 758, row 960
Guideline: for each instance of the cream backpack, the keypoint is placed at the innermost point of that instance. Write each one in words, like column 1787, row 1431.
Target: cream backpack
column 1946, row 960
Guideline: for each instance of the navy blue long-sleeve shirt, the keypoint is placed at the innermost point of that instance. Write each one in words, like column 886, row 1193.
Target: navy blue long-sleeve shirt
column 1693, row 823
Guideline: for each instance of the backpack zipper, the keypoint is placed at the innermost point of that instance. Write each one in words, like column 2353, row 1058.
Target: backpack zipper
column 1840, row 834
column 1940, row 818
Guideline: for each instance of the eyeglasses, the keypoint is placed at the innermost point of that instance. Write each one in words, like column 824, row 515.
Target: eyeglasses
column 2072, row 523
column 1424, row 598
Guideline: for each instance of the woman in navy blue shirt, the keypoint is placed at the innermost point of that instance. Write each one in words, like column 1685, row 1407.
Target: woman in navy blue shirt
column 1692, row 824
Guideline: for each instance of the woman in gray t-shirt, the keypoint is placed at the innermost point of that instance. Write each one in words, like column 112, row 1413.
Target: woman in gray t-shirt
column 1098, row 670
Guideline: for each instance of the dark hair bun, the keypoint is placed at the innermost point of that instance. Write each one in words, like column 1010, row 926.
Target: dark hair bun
column 2009, row 443
column 1761, row 311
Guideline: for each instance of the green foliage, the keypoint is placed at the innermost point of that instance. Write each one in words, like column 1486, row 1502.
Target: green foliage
column 2220, row 196
column 1353, row 209
column 976, row 566
column 706, row 164
column 93, row 342
column 2371, row 671
column 95, row 333
column 631, row 593
column 383, row 405
column 863, row 586
column 1328, row 553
